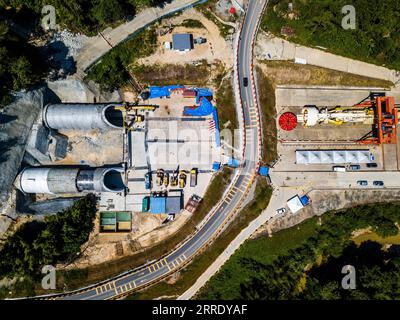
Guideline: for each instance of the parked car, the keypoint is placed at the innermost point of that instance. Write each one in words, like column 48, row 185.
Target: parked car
column 378, row 183
column 280, row 211
column 372, row 165
column 362, row 183
column 355, row 167
column 339, row 169
column 147, row 180
column 245, row 81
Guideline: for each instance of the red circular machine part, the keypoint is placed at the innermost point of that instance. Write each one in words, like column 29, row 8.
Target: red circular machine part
column 288, row 121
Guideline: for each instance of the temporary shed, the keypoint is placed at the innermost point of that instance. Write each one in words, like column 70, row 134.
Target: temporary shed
column 182, row 42
column 332, row 156
column 295, row 204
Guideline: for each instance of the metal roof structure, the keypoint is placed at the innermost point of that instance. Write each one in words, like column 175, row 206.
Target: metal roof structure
column 170, row 205
column 295, row 204
column 182, row 41
column 332, row 156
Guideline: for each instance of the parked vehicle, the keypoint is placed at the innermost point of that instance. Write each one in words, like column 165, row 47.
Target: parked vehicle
column 372, row 165
column 159, row 177
column 245, row 81
column 339, row 169
column 193, row 203
column 174, row 178
column 378, row 183
column 147, row 180
column 355, row 167
column 166, row 179
column 182, row 179
column 280, row 211
column 362, row 183
column 193, row 177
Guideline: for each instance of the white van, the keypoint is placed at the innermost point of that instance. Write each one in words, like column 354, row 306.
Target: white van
column 339, row 169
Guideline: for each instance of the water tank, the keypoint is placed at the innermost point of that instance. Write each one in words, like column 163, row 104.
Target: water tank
column 82, row 116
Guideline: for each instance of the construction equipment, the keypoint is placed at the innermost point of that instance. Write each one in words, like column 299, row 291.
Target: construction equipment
column 174, row 178
column 166, row 179
column 147, row 180
column 193, row 177
column 379, row 111
column 159, row 177
column 182, row 179
column 130, row 112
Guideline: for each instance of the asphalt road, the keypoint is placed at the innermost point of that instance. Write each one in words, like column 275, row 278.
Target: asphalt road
column 229, row 205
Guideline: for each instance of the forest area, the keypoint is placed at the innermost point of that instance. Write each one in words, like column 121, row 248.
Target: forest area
column 375, row 39
column 22, row 65
column 38, row 243
column 305, row 261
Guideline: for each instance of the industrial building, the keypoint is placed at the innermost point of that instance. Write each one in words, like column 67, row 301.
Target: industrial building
column 332, row 156
column 182, row 42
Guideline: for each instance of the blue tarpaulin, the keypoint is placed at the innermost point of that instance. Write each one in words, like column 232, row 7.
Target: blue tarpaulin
column 264, row 171
column 216, row 166
column 158, row 205
column 305, row 200
column 202, row 92
column 204, row 109
column 160, row 92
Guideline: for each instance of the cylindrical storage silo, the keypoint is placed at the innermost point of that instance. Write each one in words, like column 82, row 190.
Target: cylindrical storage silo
column 82, row 116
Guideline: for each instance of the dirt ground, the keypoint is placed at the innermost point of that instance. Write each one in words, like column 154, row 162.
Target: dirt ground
column 94, row 148
column 216, row 47
column 286, row 72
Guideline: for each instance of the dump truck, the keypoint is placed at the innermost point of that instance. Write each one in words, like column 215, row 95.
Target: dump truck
column 193, row 203
column 182, row 179
column 159, row 177
column 193, row 177
column 174, row 178
column 166, row 179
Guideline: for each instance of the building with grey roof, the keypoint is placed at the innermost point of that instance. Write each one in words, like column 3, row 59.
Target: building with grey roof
column 182, row 42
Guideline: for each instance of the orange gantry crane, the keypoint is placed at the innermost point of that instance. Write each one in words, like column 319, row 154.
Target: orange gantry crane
column 385, row 122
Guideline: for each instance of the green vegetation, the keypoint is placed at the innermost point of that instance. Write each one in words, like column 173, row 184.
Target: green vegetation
column 302, row 268
column 189, row 275
column 376, row 38
column 111, row 72
column 82, row 16
column 57, row 239
column 225, row 102
column 266, row 90
column 191, row 23
column 20, row 67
